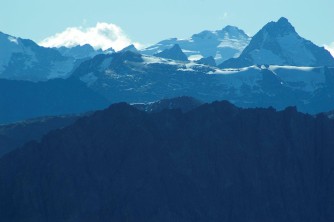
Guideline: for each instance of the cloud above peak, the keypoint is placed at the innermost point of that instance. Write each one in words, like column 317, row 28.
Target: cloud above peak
column 103, row 35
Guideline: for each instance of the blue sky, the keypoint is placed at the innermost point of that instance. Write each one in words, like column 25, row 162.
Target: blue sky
column 149, row 21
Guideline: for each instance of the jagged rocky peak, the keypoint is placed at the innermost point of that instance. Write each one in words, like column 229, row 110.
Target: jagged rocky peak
column 279, row 28
column 79, row 51
column 174, row 53
column 109, row 51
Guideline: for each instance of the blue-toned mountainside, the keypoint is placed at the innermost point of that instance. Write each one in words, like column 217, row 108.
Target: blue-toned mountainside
column 221, row 44
column 136, row 78
column 21, row 100
column 23, row 59
column 277, row 43
column 214, row 163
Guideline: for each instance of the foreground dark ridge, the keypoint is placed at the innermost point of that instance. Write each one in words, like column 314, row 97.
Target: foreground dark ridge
column 16, row 134
column 214, row 163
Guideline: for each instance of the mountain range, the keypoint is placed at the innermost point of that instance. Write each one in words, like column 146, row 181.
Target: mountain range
column 20, row 100
column 221, row 44
column 275, row 68
column 143, row 134
column 134, row 78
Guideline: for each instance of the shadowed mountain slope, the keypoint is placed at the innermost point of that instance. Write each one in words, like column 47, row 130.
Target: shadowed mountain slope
column 214, row 163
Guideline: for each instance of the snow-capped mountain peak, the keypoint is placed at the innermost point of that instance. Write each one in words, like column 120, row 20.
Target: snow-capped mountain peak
column 233, row 32
column 23, row 59
column 280, row 28
column 221, row 44
column 278, row 43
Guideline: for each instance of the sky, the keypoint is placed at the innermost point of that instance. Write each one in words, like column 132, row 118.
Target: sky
column 147, row 22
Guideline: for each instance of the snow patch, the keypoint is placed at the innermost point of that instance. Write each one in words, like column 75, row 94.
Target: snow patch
column 303, row 78
column 195, row 57
column 151, row 59
column 13, row 40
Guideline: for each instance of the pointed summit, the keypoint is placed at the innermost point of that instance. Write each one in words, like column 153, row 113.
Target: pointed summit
column 283, row 20
column 174, row 53
column 109, row 51
column 130, row 48
column 279, row 28
column 278, row 43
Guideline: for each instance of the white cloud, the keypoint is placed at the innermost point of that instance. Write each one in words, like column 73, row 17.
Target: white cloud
column 103, row 35
column 330, row 48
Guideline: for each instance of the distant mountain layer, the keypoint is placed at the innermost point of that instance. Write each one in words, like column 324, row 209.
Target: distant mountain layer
column 136, row 78
column 277, row 43
column 221, row 44
column 21, row 100
column 214, row 163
